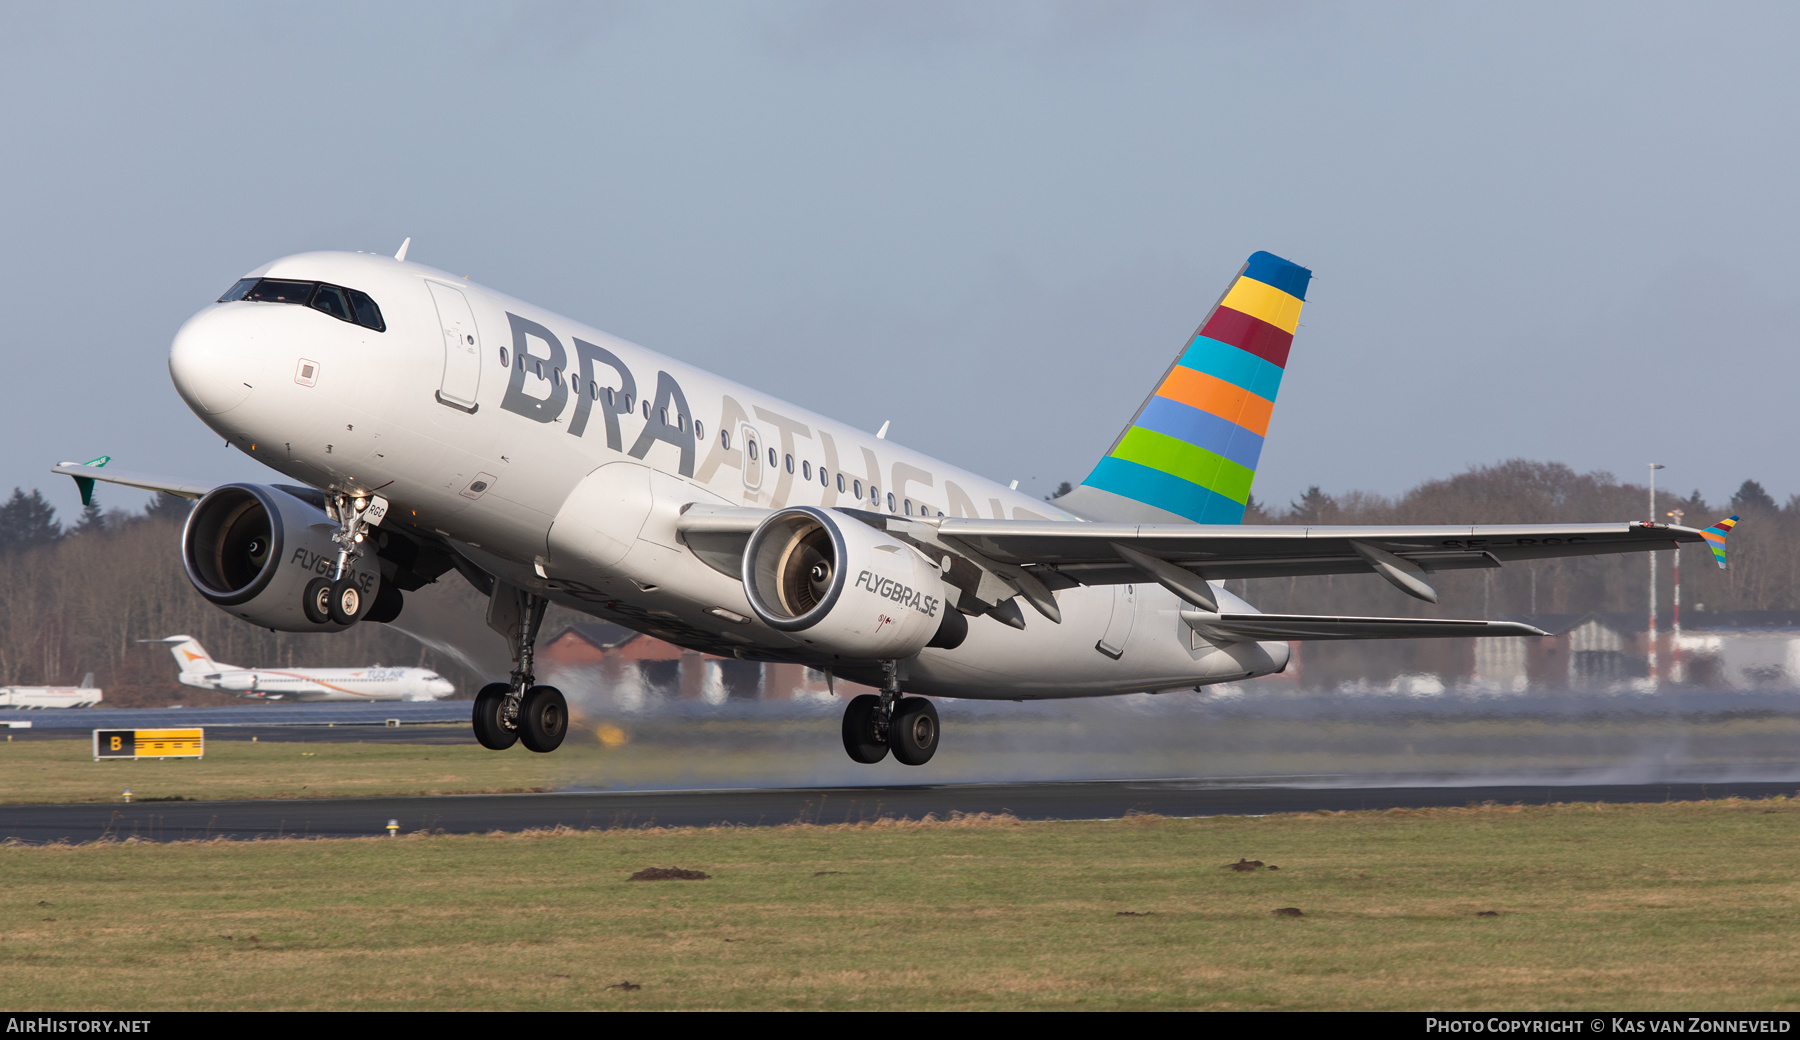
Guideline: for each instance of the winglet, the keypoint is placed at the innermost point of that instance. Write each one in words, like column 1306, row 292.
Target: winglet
column 86, row 484
column 1715, row 537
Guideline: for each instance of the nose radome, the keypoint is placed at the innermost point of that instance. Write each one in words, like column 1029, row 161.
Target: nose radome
column 217, row 357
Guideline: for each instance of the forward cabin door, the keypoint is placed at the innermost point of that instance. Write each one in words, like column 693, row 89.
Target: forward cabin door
column 462, row 347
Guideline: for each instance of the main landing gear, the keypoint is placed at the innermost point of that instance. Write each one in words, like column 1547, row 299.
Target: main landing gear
column 875, row 725
column 519, row 711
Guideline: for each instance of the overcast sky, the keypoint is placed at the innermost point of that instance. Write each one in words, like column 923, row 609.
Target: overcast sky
column 1561, row 231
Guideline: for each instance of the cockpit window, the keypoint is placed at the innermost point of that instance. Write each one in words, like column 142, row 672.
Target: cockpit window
column 343, row 304
column 367, row 314
column 271, row 290
column 330, row 299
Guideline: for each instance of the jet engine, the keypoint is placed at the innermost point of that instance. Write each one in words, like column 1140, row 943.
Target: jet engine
column 251, row 549
column 845, row 588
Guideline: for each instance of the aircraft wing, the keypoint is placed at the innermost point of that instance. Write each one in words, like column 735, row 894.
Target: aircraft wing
column 1090, row 553
column 994, row 560
column 1183, row 557
column 91, row 473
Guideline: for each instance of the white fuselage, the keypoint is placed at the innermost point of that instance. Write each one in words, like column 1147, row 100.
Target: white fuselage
column 323, row 684
column 487, row 449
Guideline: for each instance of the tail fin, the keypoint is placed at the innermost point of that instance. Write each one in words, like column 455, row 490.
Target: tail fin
column 189, row 654
column 1190, row 452
column 1715, row 537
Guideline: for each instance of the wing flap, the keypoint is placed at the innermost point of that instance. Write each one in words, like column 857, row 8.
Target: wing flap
column 1244, row 627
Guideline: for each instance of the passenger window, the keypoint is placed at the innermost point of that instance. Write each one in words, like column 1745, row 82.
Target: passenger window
column 556, row 377
column 237, row 291
column 537, row 368
column 609, row 397
column 699, row 430
column 662, row 416
column 825, row 481
column 841, row 485
column 505, row 360
column 790, row 464
column 750, row 446
column 772, row 462
column 909, row 507
column 725, row 439
column 856, row 487
column 805, row 470
column 646, row 411
column 891, row 506
column 874, row 496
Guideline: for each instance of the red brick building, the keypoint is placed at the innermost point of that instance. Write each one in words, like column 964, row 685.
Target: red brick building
column 638, row 666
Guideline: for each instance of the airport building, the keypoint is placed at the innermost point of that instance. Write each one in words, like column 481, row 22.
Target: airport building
column 1736, row 650
column 637, row 668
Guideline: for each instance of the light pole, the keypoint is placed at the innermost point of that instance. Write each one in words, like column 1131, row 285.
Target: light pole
column 1675, row 620
column 1654, row 466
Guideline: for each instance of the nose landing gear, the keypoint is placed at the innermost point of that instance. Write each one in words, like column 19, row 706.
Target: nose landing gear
column 875, row 725
column 338, row 598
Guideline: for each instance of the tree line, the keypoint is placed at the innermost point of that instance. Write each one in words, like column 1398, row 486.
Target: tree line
column 77, row 598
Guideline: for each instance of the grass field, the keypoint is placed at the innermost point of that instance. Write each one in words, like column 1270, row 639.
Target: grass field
column 1673, row 906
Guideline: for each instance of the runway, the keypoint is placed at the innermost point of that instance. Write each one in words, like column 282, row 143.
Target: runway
column 464, row 814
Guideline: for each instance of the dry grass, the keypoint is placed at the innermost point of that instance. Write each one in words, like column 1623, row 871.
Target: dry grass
column 1686, row 906
column 65, row 771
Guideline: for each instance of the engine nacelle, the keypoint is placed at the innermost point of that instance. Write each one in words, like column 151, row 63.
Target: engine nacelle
column 845, row 588
column 250, row 549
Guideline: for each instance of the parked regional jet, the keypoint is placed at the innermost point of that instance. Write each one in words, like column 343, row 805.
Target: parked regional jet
column 303, row 684
column 433, row 425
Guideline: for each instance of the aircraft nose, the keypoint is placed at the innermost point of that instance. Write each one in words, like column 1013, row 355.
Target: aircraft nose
column 442, row 688
column 217, row 357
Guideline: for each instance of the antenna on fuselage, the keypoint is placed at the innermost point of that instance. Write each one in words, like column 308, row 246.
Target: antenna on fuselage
column 881, row 434
column 404, row 246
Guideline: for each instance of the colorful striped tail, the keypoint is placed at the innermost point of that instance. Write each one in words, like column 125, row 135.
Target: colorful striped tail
column 1190, row 452
column 1715, row 537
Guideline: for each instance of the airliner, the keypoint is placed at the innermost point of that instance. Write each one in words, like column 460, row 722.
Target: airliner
column 303, row 684
column 432, row 425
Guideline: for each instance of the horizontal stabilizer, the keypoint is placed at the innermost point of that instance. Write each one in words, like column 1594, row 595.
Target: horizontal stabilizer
column 1244, row 627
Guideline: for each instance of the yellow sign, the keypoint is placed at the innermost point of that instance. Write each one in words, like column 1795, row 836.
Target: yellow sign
column 149, row 743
